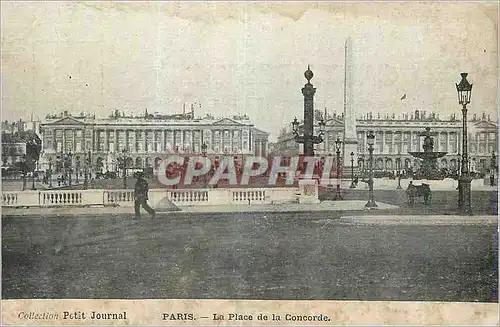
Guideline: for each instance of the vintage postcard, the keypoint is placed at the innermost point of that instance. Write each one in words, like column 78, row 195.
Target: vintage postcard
column 249, row 163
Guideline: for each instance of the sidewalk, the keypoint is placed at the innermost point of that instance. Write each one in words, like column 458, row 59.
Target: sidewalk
column 418, row 220
column 283, row 207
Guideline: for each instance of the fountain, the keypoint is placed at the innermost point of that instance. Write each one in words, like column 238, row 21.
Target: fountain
column 428, row 169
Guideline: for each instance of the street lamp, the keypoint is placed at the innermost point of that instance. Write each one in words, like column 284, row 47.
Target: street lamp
column 370, row 140
column 123, row 160
column 67, row 159
column 88, row 162
column 464, row 90
column 493, row 164
column 204, row 149
column 77, row 166
column 338, row 146
column 49, row 172
column 308, row 138
column 362, row 161
column 33, row 179
column 399, row 171
column 352, row 171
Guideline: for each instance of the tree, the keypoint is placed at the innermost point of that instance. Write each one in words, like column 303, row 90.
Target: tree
column 33, row 150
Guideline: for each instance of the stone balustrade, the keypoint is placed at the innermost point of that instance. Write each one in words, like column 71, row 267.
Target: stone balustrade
column 124, row 197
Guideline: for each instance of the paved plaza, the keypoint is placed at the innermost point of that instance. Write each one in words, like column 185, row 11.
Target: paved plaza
column 351, row 255
column 331, row 250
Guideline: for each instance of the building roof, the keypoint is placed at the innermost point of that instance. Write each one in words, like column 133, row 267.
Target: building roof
column 145, row 121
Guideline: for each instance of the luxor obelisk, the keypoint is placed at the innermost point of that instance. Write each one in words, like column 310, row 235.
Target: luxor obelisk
column 350, row 136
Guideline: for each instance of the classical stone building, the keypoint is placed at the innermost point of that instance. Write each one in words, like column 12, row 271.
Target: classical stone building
column 396, row 137
column 148, row 138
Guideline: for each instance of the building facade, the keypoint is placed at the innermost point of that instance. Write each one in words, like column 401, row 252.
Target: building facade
column 147, row 139
column 14, row 147
column 395, row 138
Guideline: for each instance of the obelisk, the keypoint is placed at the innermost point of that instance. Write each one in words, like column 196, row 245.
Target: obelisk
column 350, row 136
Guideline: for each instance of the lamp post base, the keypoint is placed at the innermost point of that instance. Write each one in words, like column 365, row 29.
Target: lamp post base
column 352, row 185
column 464, row 194
column 371, row 204
column 338, row 194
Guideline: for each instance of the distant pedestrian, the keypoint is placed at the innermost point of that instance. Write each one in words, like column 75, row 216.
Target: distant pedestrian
column 141, row 196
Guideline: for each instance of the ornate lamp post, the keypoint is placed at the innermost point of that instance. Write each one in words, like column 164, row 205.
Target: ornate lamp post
column 338, row 146
column 464, row 90
column 77, row 166
column 49, row 173
column 204, row 154
column 352, row 171
column 204, row 149
column 399, row 171
column 33, row 178
column 493, row 165
column 370, row 140
column 87, row 167
column 362, row 161
column 69, row 157
column 308, row 138
column 123, row 158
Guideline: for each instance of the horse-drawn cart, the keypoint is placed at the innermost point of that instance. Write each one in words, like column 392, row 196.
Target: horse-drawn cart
column 414, row 191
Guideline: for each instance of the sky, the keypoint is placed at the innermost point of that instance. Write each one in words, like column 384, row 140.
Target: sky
column 236, row 58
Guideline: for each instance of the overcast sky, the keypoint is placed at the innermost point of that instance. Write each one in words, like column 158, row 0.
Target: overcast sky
column 236, row 58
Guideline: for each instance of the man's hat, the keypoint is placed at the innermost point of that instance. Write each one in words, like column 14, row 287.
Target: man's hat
column 139, row 174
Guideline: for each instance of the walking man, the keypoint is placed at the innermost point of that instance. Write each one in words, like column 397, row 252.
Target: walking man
column 141, row 197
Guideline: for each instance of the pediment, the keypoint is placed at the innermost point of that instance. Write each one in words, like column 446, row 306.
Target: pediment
column 227, row 121
column 66, row 121
column 484, row 124
column 334, row 122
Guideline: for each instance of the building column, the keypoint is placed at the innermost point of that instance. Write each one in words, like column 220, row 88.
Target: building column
column 447, row 142
column 241, row 139
column 106, row 140
column 74, row 140
column 438, row 142
column 393, row 145
column 164, row 140
column 383, row 144
column 231, row 140
column 193, row 132
column 182, row 139
column 250, row 140
column 117, row 133
column 477, row 142
column 487, row 143
column 212, row 138
column 63, row 147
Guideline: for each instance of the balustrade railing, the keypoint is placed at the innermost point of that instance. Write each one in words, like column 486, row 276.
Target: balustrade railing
column 116, row 196
column 9, row 198
column 188, row 196
column 48, row 198
column 182, row 197
column 248, row 195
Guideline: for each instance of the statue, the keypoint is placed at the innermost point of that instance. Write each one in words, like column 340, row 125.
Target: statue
column 428, row 140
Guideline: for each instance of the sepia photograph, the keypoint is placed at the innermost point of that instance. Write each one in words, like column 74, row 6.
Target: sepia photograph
column 274, row 151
